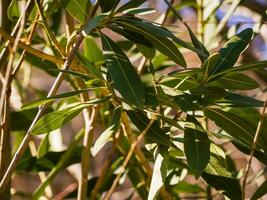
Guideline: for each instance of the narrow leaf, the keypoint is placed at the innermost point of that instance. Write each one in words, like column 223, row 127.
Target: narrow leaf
column 196, row 146
column 231, row 51
column 126, row 79
column 57, row 119
column 76, row 8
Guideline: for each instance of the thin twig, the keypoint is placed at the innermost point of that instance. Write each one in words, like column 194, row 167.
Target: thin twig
column 127, row 129
column 103, row 172
column 253, row 149
column 14, row 32
column 127, row 159
column 39, row 54
column 41, row 111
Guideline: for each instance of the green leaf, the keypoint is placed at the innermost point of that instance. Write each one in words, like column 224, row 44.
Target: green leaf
column 209, row 94
column 92, row 51
column 126, row 79
column 90, row 66
column 184, row 187
column 131, row 4
column 149, row 31
column 204, row 54
column 76, row 8
column 43, row 147
column 93, row 23
column 236, row 100
column 230, row 52
column 197, row 44
column 219, row 178
column 240, row 129
column 57, row 119
column 148, row 52
column 235, row 81
column 109, row 5
column 59, row 96
column 154, row 133
column 209, row 64
column 262, row 190
column 196, row 146
column 13, row 9
column 251, row 66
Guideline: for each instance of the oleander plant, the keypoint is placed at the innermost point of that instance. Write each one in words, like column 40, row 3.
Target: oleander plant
column 137, row 99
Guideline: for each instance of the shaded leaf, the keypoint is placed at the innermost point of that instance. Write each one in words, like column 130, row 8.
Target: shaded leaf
column 154, row 133
column 240, row 129
column 196, row 146
column 126, row 79
column 43, row 147
column 108, row 5
column 236, row 81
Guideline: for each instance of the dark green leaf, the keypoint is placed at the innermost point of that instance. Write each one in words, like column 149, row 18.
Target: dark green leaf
column 240, row 129
column 230, row 52
column 196, row 146
column 262, row 190
column 93, row 23
column 229, row 187
column 108, row 5
column 154, row 133
column 251, row 66
column 217, row 175
column 236, row 100
column 43, row 147
column 96, row 72
column 236, row 81
column 126, row 79
column 148, row 52
column 163, row 44
column 197, row 44
column 76, row 8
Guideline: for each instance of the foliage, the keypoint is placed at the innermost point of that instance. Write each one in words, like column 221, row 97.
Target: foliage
column 164, row 124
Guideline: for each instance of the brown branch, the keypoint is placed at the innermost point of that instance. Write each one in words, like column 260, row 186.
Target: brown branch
column 127, row 159
column 253, row 149
column 41, row 111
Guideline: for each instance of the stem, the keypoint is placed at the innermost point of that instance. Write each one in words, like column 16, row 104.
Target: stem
column 5, row 146
column 25, row 13
column 143, row 161
column 87, row 143
column 201, row 22
column 253, row 149
column 127, row 159
column 41, row 111
column 103, row 173
column 37, row 53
